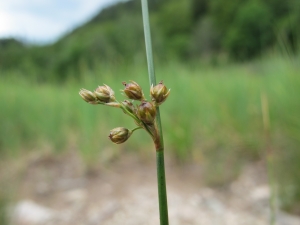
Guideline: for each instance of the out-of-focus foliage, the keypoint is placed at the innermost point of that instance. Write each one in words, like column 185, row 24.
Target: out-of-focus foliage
column 227, row 126
column 251, row 27
column 184, row 29
column 213, row 116
column 251, row 30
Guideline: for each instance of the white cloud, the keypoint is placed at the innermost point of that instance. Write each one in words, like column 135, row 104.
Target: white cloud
column 44, row 21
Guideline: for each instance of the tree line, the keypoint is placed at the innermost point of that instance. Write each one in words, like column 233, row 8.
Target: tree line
column 184, row 30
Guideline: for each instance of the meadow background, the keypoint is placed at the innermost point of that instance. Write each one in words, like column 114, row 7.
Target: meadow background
column 231, row 67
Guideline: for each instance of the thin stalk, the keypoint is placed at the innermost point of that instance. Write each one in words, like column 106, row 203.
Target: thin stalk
column 137, row 128
column 152, row 78
column 162, row 192
column 159, row 144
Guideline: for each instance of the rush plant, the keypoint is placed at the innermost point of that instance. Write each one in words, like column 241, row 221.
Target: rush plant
column 145, row 115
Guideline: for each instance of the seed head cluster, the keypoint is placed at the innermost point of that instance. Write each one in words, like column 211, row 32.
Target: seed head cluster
column 144, row 114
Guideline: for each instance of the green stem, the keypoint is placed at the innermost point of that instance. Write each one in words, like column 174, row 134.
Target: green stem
column 162, row 192
column 148, row 43
column 159, row 144
column 137, row 128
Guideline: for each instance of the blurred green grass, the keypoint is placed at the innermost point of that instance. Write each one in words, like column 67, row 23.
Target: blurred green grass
column 213, row 117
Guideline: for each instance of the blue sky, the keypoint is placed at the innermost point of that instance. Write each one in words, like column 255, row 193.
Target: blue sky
column 44, row 21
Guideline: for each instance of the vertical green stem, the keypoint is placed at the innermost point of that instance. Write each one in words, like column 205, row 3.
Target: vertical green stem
column 162, row 192
column 159, row 144
column 148, row 42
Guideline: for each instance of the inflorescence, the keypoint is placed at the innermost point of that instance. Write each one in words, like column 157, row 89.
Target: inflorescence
column 143, row 114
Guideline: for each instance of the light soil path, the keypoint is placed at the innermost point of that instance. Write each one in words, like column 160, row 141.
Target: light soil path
column 57, row 192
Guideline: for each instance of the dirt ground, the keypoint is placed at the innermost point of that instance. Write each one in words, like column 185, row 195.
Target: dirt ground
column 57, row 191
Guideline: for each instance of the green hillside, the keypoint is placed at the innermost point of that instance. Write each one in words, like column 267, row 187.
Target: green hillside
column 184, row 29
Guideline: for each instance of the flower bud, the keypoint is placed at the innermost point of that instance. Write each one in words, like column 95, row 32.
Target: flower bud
column 133, row 91
column 129, row 106
column 146, row 112
column 159, row 93
column 104, row 94
column 88, row 96
column 119, row 135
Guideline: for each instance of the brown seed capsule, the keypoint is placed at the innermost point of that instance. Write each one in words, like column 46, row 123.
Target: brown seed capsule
column 133, row 91
column 105, row 94
column 159, row 93
column 88, row 96
column 119, row 135
column 146, row 112
column 129, row 106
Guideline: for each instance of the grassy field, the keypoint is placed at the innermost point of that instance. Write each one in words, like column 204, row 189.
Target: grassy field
column 213, row 116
